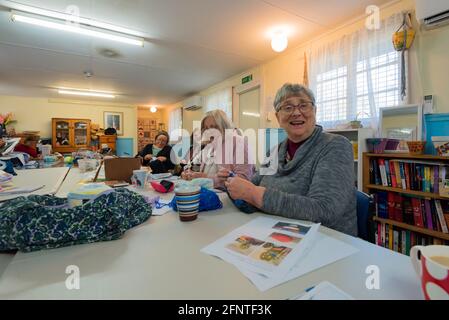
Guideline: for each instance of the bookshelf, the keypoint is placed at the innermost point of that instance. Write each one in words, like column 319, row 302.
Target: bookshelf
column 417, row 220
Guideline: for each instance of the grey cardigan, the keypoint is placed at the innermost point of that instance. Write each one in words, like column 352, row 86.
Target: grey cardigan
column 316, row 185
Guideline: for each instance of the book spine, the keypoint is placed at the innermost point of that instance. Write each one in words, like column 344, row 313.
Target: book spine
column 436, row 172
column 383, row 172
column 397, row 171
column 417, row 212
column 428, row 214
column 390, row 237
column 391, row 206
column 418, row 177
column 407, row 176
column 393, row 174
column 377, row 179
column 427, row 174
column 395, row 240
column 407, row 242
column 402, row 170
column 441, row 216
column 398, row 214
column 403, row 242
column 387, row 172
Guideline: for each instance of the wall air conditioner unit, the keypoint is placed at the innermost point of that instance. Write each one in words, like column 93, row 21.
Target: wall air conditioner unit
column 432, row 14
column 193, row 103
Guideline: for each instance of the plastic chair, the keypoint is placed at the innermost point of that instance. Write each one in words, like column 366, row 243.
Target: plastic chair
column 364, row 215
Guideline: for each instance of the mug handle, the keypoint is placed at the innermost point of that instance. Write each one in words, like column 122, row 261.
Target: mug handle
column 416, row 261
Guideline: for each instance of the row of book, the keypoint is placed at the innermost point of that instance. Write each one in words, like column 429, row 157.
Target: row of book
column 431, row 214
column 410, row 175
column 400, row 240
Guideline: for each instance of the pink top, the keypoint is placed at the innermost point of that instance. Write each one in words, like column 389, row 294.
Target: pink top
column 240, row 161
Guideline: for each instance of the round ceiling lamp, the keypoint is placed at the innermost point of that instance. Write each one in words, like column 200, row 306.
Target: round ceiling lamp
column 279, row 41
column 153, row 109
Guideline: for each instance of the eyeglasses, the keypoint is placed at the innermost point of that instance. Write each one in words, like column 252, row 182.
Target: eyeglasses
column 305, row 107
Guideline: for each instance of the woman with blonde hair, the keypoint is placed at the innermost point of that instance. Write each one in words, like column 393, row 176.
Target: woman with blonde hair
column 226, row 153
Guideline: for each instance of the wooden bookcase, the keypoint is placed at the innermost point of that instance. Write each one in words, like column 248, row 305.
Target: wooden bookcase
column 69, row 135
column 371, row 188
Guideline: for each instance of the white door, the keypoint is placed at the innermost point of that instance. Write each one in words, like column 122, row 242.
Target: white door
column 248, row 117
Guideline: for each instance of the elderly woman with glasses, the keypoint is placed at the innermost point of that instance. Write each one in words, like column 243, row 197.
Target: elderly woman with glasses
column 313, row 175
column 157, row 155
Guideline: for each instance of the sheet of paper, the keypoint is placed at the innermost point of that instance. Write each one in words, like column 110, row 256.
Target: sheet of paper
column 265, row 246
column 161, row 211
column 324, row 291
column 324, row 251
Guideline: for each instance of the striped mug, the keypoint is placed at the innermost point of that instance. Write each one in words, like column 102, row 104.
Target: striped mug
column 187, row 201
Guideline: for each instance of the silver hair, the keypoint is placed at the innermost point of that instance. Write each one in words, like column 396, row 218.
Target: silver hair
column 289, row 90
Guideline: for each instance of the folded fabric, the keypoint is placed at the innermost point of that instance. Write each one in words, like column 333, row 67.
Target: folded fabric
column 45, row 222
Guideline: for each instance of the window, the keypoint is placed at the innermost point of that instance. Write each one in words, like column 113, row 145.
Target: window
column 356, row 76
column 221, row 99
column 175, row 124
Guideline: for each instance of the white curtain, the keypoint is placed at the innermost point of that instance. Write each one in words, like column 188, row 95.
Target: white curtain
column 356, row 75
column 221, row 99
column 175, row 124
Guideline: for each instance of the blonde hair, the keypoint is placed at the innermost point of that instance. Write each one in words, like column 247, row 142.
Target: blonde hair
column 221, row 120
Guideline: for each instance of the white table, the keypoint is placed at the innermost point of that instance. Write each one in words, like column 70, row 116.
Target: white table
column 161, row 259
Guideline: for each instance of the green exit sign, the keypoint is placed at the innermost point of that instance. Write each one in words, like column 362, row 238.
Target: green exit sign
column 247, row 79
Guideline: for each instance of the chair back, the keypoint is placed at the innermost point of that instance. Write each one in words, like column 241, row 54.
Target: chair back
column 364, row 205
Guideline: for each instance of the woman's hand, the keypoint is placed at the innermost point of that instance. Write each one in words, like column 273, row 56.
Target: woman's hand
column 162, row 159
column 239, row 188
column 223, row 174
column 148, row 157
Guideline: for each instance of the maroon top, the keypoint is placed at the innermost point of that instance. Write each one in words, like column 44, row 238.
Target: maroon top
column 292, row 147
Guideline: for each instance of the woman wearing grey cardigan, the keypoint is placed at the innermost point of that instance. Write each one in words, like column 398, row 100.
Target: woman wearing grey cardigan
column 314, row 179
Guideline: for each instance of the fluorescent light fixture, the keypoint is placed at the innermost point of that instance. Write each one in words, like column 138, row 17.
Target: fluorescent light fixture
column 68, row 26
column 86, row 93
column 251, row 114
column 153, row 109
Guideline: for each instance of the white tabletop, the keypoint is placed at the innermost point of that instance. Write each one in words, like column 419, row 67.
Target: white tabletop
column 161, row 259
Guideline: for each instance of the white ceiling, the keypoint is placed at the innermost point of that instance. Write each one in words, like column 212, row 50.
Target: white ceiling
column 192, row 44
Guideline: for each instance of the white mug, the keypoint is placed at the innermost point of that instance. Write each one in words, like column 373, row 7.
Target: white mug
column 431, row 263
column 140, row 178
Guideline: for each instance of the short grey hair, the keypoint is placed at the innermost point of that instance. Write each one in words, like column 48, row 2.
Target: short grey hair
column 289, row 90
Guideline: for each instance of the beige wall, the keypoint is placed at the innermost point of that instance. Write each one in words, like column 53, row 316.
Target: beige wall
column 428, row 66
column 36, row 113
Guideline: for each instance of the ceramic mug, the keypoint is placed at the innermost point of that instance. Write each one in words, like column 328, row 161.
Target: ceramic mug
column 187, row 201
column 140, row 178
column 431, row 263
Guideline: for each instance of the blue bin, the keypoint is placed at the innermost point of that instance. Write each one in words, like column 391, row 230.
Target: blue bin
column 436, row 125
column 125, row 147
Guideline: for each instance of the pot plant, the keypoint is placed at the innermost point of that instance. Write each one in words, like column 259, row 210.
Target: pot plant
column 356, row 123
column 5, row 120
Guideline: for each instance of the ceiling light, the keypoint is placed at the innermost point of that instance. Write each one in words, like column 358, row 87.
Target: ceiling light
column 279, row 41
column 153, row 109
column 87, row 93
column 75, row 28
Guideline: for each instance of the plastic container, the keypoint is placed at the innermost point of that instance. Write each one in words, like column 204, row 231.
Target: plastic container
column 381, row 145
column 86, row 165
column 86, row 192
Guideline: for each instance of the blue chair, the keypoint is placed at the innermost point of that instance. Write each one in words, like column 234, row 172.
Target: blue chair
column 364, row 215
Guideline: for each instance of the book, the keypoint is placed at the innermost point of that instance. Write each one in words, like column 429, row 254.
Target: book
column 408, row 215
column 436, row 172
column 445, row 206
column 396, row 240
column 391, row 205
column 397, row 172
column 403, row 242
column 398, row 207
column 387, row 172
column 390, row 238
column 408, row 244
column 392, row 174
column 402, row 171
column 429, row 220
column 382, row 203
column 407, row 175
column 417, row 214
column 418, row 177
column 441, row 216
column 383, row 172
column 377, row 179
column 427, row 178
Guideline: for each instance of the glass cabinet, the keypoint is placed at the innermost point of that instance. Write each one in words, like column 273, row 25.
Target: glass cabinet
column 69, row 135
